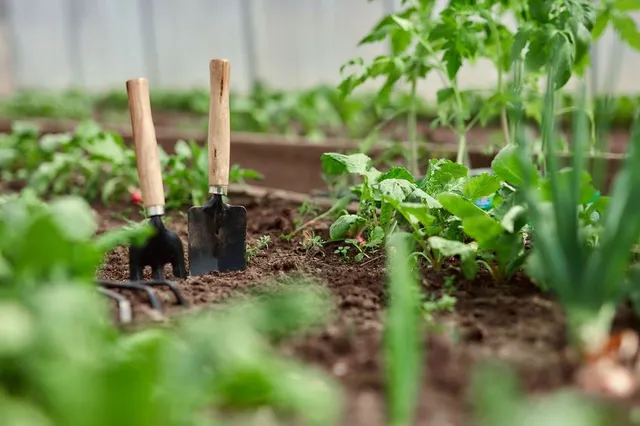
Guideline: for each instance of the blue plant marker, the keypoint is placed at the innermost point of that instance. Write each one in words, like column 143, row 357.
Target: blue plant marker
column 485, row 203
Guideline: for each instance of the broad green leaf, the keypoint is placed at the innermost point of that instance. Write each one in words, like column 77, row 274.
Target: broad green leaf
column 563, row 179
column 626, row 5
column 600, row 25
column 443, row 174
column 335, row 164
column 513, row 218
column 398, row 189
column 107, row 148
column 450, row 248
column 481, row 185
column 74, row 217
column 506, row 165
column 419, row 196
column 475, row 221
column 396, row 173
column 415, row 213
column 627, row 29
column 346, row 226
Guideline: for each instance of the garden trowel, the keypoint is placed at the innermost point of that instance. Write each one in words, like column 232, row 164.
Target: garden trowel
column 164, row 246
column 217, row 231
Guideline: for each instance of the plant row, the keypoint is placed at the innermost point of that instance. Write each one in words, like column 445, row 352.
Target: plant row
column 99, row 165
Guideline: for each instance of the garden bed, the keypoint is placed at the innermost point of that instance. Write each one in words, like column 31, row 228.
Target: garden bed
column 514, row 322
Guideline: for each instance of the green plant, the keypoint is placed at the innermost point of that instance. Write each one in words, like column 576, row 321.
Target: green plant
column 42, row 242
column 402, row 342
column 423, row 42
column 589, row 280
column 88, row 162
column 63, row 363
column 438, row 211
column 262, row 243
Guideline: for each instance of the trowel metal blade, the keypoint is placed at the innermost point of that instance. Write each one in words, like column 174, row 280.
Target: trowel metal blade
column 217, row 239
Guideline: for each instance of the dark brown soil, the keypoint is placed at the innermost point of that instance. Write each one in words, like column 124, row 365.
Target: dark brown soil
column 515, row 322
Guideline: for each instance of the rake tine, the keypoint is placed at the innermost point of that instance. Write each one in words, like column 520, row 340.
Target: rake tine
column 180, row 300
column 124, row 306
column 151, row 296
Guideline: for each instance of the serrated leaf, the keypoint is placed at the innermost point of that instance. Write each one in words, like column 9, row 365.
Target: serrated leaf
column 564, row 60
column 453, row 62
column 480, row 186
column 627, row 29
column 335, row 164
column 346, row 226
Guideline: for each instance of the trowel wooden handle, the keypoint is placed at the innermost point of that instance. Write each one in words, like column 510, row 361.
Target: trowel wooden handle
column 219, row 126
column 144, row 138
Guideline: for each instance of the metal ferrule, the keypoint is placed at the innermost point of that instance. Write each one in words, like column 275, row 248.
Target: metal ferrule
column 155, row 210
column 218, row 190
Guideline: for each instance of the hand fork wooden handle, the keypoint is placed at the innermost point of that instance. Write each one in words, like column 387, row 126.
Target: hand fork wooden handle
column 146, row 146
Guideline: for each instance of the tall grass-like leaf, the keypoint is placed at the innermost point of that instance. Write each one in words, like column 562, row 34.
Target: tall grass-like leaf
column 402, row 347
column 589, row 282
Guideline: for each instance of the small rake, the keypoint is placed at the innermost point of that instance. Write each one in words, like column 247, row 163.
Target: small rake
column 164, row 247
column 125, row 311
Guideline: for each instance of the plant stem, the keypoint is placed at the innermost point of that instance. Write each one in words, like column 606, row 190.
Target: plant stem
column 412, row 128
column 462, row 147
column 503, row 111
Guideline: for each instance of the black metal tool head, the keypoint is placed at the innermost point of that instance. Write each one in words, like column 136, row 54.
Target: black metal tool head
column 217, row 237
column 164, row 247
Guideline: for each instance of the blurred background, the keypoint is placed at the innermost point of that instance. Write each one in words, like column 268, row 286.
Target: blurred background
column 96, row 45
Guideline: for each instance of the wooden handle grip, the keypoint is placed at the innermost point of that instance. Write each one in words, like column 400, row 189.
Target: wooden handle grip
column 219, row 125
column 144, row 137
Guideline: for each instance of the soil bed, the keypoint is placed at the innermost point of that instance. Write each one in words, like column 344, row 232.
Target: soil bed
column 515, row 323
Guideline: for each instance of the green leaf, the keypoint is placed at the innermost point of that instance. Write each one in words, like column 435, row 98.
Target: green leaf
column 414, row 213
column 443, row 174
column 563, row 179
column 519, row 42
column 398, row 189
column 481, row 185
column 419, row 196
column 538, row 53
column 626, row 5
column 450, row 248
column 336, row 164
column 601, row 24
column 396, row 173
column 105, row 147
column 506, row 165
column 564, row 60
column 453, row 62
column 182, row 150
column 346, row 226
column 476, row 222
column 513, row 220
column 627, row 29
column 74, row 217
